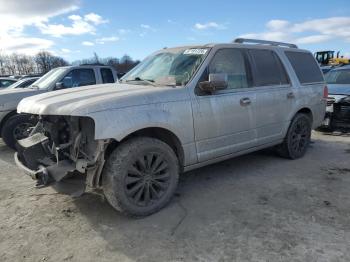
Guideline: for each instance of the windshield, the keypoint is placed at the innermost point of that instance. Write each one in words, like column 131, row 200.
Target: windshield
column 338, row 77
column 45, row 81
column 173, row 67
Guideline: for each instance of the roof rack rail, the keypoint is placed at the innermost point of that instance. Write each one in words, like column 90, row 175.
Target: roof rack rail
column 263, row 42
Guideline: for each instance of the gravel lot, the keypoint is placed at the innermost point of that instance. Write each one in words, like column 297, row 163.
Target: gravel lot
column 257, row 207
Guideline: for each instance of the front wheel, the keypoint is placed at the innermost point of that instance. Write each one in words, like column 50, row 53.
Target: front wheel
column 297, row 139
column 140, row 176
column 16, row 128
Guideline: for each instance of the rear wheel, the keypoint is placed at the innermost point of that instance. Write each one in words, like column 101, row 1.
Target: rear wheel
column 16, row 128
column 297, row 139
column 140, row 176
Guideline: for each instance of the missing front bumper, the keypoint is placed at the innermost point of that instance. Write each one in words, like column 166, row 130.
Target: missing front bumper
column 34, row 161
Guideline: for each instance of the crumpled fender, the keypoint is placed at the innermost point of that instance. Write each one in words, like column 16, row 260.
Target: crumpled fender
column 119, row 123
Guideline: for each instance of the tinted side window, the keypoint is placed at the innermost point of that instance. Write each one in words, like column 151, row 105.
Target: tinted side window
column 79, row 77
column 233, row 63
column 268, row 69
column 305, row 67
column 107, row 75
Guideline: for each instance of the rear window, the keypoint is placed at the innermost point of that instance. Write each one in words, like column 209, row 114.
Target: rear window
column 107, row 75
column 268, row 69
column 305, row 67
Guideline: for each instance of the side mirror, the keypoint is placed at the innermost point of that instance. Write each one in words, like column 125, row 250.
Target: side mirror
column 59, row 85
column 216, row 82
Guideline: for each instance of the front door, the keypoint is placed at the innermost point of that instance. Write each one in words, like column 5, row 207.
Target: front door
column 224, row 121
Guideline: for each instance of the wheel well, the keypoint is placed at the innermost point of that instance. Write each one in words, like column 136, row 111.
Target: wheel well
column 155, row 132
column 307, row 112
column 5, row 119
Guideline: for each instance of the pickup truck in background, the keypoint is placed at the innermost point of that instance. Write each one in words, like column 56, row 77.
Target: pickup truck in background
column 15, row 126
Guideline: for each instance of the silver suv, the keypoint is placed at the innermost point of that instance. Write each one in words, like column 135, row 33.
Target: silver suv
column 14, row 126
column 180, row 109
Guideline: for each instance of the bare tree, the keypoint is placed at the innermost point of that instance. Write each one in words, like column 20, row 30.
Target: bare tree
column 46, row 61
column 20, row 64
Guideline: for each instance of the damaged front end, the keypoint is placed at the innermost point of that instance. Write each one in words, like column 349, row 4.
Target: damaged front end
column 60, row 147
column 338, row 113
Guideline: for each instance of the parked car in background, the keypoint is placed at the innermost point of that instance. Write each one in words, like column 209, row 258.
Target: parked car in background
column 14, row 126
column 6, row 82
column 338, row 103
column 326, row 69
column 179, row 109
column 25, row 82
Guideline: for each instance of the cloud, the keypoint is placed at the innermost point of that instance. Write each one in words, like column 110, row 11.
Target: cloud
column 26, row 45
column 80, row 25
column 146, row 29
column 145, row 26
column 209, row 25
column 16, row 15
column 306, row 32
column 123, row 31
column 88, row 43
column 107, row 39
column 275, row 25
column 95, row 19
column 313, row 39
column 66, row 50
column 39, row 8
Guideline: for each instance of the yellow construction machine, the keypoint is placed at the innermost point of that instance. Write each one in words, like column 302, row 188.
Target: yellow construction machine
column 328, row 58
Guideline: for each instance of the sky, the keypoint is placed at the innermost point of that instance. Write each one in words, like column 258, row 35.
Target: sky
column 75, row 29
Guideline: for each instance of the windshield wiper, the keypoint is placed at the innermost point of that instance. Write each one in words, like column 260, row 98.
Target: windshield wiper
column 148, row 81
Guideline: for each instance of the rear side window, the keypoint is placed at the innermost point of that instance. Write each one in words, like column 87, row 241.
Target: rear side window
column 107, row 75
column 305, row 67
column 268, row 69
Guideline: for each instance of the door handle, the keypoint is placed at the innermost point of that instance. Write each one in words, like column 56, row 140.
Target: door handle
column 290, row 95
column 245, row 101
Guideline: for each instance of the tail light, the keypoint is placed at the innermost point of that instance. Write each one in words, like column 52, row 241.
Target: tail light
column 325, row 92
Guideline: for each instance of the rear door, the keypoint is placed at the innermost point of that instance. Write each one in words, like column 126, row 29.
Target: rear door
column 274, row 94
column 309, row 82
column 224, row 121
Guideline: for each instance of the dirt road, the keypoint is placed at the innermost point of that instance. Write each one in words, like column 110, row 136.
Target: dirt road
column 257, row 207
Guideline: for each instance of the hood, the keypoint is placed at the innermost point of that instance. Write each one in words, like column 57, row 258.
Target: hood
column 9, row 98
column 336, row 89
column 85, row 100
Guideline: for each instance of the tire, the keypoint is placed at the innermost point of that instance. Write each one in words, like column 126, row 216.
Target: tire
column 11, row 131
column 140, row 176
column 297, row 139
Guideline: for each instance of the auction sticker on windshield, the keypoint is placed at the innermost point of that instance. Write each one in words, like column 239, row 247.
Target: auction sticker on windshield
column 197, row 51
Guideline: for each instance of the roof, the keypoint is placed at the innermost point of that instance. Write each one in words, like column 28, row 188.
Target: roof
column 242, row 42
